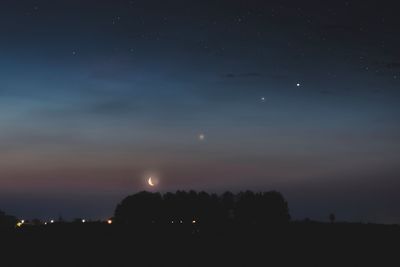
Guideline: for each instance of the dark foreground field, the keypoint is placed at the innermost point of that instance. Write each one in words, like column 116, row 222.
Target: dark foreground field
column 297, row 244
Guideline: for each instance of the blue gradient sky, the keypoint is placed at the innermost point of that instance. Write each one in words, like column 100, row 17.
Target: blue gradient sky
column 96, row 95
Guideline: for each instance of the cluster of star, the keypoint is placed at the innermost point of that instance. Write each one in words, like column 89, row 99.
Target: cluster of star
column 263, row 99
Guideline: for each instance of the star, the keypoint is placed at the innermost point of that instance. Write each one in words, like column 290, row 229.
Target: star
column 298, row 84
column 263, row 99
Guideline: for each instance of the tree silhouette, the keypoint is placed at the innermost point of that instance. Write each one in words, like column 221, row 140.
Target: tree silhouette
column 184, row 207
column 332, row 217
column 143, row 207
column 228, row 205
column 7, row 221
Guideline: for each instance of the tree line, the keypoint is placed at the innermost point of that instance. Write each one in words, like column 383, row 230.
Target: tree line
column 200, row 207
column 7, row 221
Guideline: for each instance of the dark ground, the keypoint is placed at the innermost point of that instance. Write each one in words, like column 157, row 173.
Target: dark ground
column 297, row 244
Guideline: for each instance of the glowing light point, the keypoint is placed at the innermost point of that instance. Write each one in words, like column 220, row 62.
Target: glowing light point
column 83, row 220
column 202, row 137
column 298, row 84
column 51, row 221
column 109, row 221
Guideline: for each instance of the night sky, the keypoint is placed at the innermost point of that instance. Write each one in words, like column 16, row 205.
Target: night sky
column 296, row 96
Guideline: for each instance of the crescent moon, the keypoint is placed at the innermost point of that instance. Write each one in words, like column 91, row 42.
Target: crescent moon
column 150, row 182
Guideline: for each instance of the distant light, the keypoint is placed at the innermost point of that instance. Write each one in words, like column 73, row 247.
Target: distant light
column 172, row 221
column 262, row 99
column 45, row 223
column 19, row 224
column 298, row 84
column 109, row 221
column 83, row 220
column 194, row 221
column 181, row 221
column 51, row 221
column 22, row 221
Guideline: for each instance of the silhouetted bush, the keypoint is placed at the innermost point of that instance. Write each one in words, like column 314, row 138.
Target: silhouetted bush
column 186, row 207
column 332, row 217
column 7, row 221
